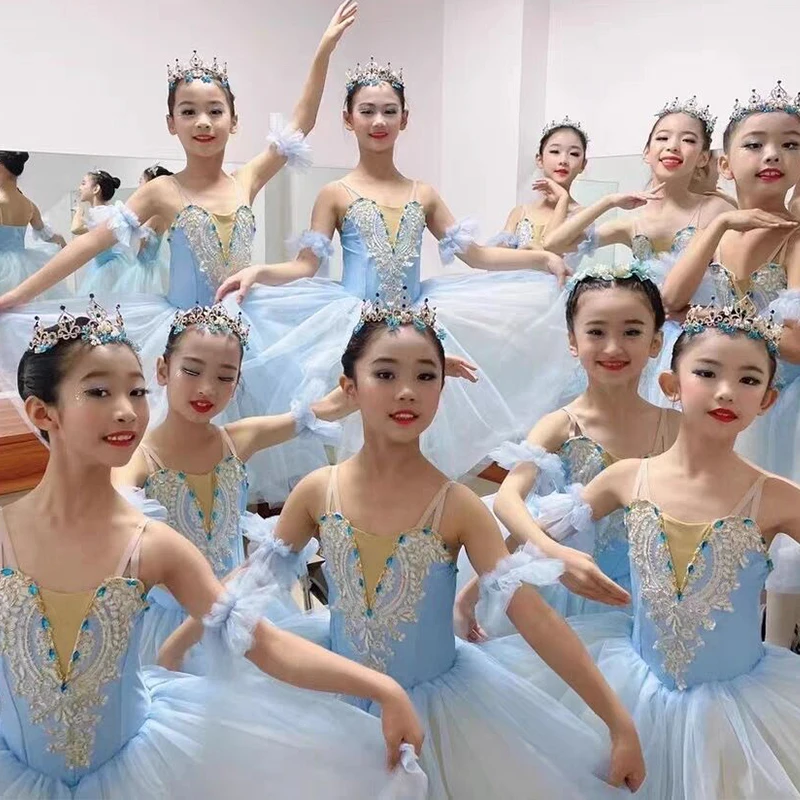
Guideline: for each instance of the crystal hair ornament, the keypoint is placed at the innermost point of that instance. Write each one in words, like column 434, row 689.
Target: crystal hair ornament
column 197, row 69
column 372, row 73
column 394, row 316
column 732, row 320
column 778, row 100
column 691, row 108
column 98, row 330
column 564, row 123
column 213, row 319
column 609, row 272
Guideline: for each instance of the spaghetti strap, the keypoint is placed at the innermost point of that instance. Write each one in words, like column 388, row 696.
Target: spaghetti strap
column 131, row 554
column 352, row 192
column 153, row 462
column 641, row 486
column 574, row 425
column 752, row 498
column 7, row 556
column 183, row 197
column 333, row 502
column 780, row 252
column 413, row 195
column 694, row 222
column 435, row 508
column 661, row 434
column 227, row 444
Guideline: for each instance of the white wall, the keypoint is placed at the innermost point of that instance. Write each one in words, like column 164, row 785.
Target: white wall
column 614, row 63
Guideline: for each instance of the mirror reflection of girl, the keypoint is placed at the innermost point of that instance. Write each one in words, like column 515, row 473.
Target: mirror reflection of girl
column 671, row 213
column 691, row 667
column 391, row 526
column 561, row 158
column 753, row 256
column 195, row 470
column 77, row 562
column 614, row 318
column 212, row 234
column 493, row 318
column 154, row 245
column 17, row 212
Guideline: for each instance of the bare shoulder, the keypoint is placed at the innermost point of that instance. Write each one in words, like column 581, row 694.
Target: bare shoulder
column 551, row 431
column 426, row 194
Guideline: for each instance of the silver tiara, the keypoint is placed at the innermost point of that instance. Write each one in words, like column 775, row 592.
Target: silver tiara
column 778, row 100
column 565, row 123
column 214, row 319
column 372, row 73
column 396, row 315
column 100, row 329
column 197, row 69
column 691, row 108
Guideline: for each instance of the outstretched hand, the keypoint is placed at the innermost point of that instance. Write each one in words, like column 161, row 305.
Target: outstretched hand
column 344, row 17
column 457, row 367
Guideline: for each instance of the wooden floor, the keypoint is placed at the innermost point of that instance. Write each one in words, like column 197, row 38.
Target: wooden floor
column 23, row 457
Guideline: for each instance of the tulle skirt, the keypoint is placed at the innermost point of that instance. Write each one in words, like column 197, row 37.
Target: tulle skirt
column 732, row 739
column 502, row 322
column 202, row 739
column 489, row 734
column 118, row 273
column 18, row 265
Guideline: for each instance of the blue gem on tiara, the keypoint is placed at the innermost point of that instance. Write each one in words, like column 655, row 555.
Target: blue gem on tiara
column 609, row 272
column 778, row 100
column 732, row 320
column 214, row 319
column 99, row 329
column 565, row 123
column 197, row 68
column 373, row 74
column 691, row 108
column 393, row 316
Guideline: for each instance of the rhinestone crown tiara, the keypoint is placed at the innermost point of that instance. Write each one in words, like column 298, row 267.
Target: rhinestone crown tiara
column 691, row 108
column 372, row 73
column 394, row 316
column 733, row 319
column 100, row 329
column 778, row 100
column 565, row 123
column 197, row 69
column 214, row 319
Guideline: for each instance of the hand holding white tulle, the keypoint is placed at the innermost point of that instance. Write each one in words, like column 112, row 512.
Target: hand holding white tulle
column 556, row 266
column 400, row 726
column 240, row 282
column 627, row 762
column 465, row 623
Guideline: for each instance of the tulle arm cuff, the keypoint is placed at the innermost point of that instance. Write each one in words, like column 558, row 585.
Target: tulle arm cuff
column 504, row 239
column 125, row 225
column 567, row 516
column 457, row 238
column 526, row 565
column 136, row 496
column 291, row 144
column 785, row 556
column 274, row 562
column 586, row 247
column 318, row 243
column 306, row 421
column 45, row 233
column 509, row 454
column 787, row 305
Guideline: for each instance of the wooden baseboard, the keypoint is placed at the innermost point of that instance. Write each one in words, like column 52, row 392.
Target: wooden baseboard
column 494, row 473
column 23, row 458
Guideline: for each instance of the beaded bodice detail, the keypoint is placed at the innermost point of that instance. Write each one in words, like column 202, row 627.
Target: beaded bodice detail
column 701, row 624
column 374, row 265
column 216, row 535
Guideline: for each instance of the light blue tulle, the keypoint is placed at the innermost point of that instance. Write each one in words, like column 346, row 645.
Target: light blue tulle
column 551, row 470
column 785, row 554
column 457, row 238
column 291, row 144
column 18, row 262
column 319, row 244
column 504, row 239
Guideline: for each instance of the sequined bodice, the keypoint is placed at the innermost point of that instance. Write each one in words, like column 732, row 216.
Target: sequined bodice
column 219, row 537
column 406, row 628
column 199, row 259
column 762, row 287
column 528, row 232
column 12, row 238
column 65, row 724
column 710, row 628
column 662, row 261
column 373, row 264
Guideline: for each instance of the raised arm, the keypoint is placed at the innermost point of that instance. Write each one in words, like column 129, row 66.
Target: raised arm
column 546, row 632
column 256, row 173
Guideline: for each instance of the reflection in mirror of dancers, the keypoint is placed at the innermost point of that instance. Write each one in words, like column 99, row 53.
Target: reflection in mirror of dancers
column 154, row 245
column 213, row 226
column 561, row 158
column 494, row 316
column 17, row 212
column 671, row 213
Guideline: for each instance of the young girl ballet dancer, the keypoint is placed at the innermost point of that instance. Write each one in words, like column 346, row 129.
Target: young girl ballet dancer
column 79, row 716
column 17, row 212
column 391, row 526
column 211, row 235
column 195, row 471
column 753, row 256
column 614, row 317
column 561, row 158
column 679, row 143
column 492, row 319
